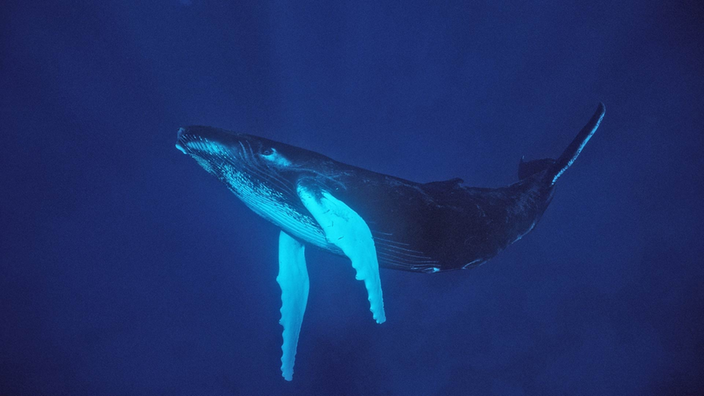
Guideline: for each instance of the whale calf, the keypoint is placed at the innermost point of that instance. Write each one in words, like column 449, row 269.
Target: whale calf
column 375, row 220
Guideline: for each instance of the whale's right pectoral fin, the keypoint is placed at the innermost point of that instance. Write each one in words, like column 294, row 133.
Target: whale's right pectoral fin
column 347, row 230
column 293, row 279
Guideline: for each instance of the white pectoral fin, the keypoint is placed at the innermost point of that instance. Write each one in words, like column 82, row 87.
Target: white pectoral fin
column 293, row 279
column 347, row 230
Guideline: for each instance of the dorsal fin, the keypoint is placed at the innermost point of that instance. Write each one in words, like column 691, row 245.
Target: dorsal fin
column 444, row 184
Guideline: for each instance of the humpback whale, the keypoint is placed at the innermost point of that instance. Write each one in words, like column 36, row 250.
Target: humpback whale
column 375, row 220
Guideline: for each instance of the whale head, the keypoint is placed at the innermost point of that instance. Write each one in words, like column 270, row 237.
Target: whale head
column 263, row 173
column 246, row 164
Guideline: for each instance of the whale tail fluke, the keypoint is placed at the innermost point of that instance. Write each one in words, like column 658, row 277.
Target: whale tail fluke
column 572, row 151
column 555, row 168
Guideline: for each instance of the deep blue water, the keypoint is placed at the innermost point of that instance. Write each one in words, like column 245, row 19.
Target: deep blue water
column 128, row 270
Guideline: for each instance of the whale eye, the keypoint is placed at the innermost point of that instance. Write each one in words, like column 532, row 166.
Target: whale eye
column 273, row 157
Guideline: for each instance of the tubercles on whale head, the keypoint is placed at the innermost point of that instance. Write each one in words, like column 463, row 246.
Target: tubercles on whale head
column 204, row 141
column 249, row 165
column 277, row 165
column 209, row 141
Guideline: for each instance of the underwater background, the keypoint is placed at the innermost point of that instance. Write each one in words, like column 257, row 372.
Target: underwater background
column 125, row 269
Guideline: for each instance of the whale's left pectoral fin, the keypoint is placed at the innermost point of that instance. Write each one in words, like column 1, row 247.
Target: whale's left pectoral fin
column 347, row 230
column 293, row 279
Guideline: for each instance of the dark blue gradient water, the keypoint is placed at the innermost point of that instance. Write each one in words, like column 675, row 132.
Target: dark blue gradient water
column 125, row 269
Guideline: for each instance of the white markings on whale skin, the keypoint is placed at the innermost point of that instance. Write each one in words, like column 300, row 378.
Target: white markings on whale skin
column 348, row 231
column 180, row 148
column 275, row 158
column 204, row 164
column 473, row 263
column 294, row 283
column 257, row 194
column 272, row 205
column 207, row 147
